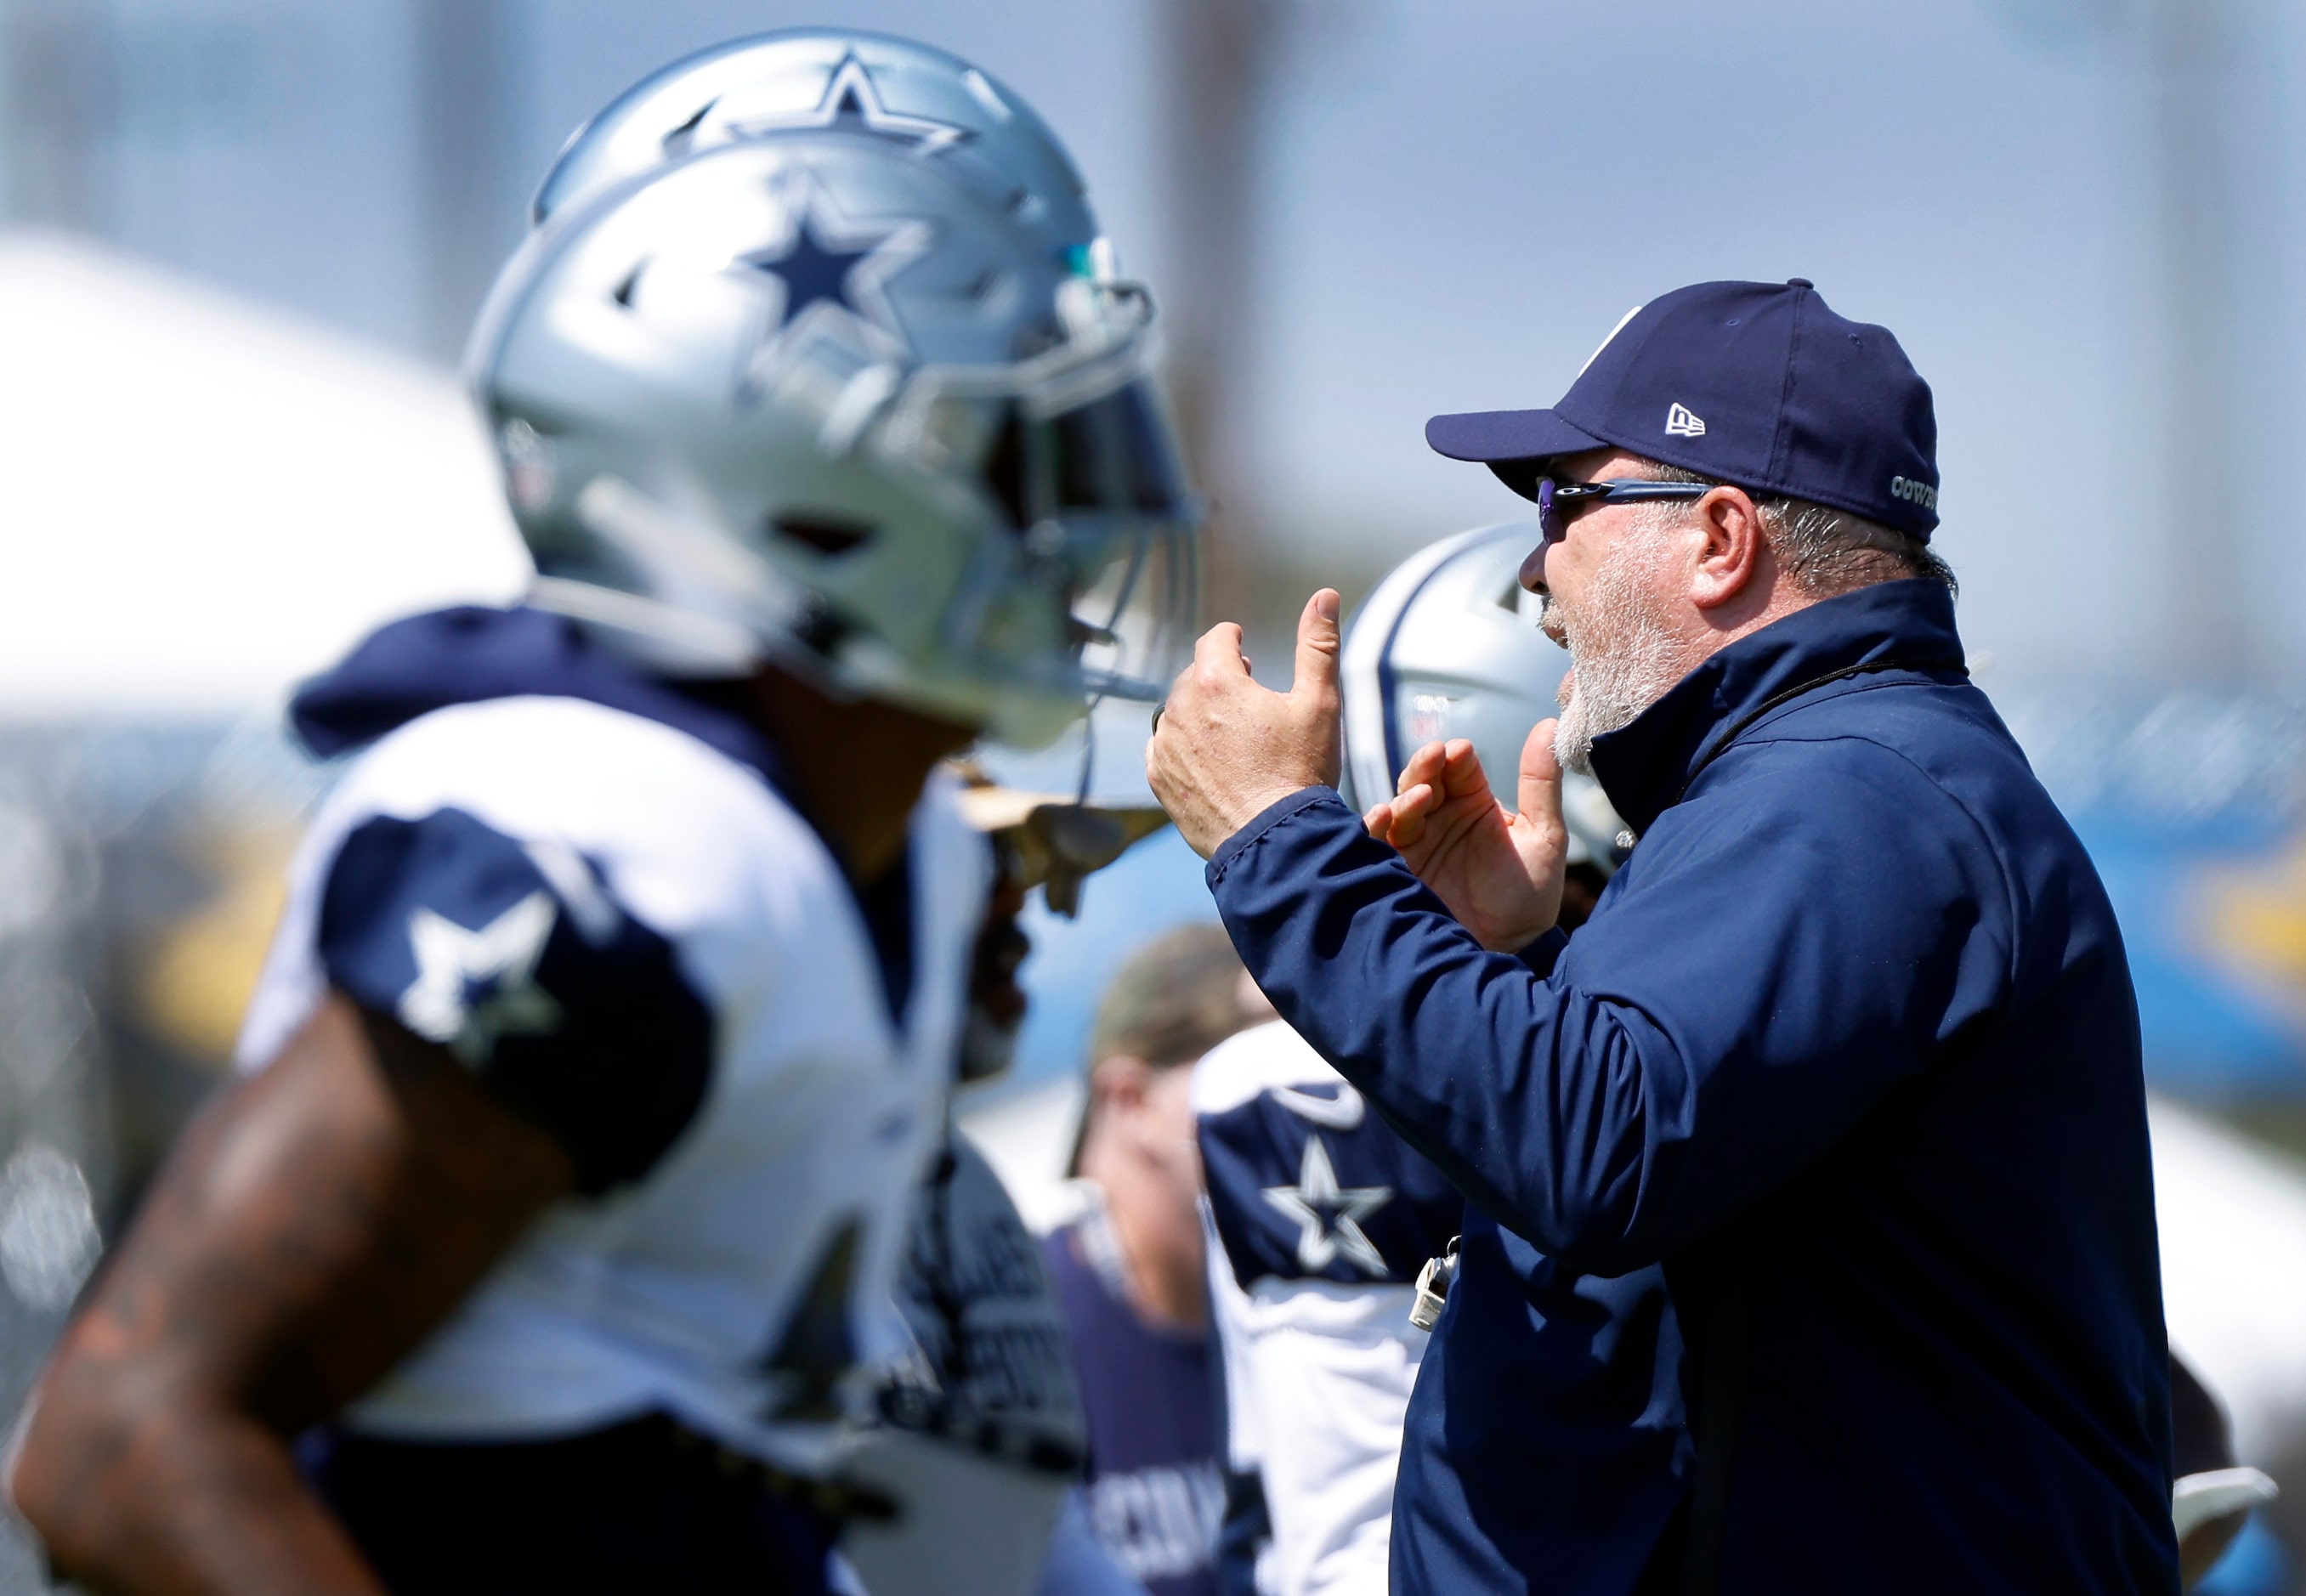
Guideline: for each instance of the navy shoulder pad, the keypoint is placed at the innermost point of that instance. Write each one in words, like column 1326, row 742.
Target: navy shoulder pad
column 1306, row 1182
column 514, row 957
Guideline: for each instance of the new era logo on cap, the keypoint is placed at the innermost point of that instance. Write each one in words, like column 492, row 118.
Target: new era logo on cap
column 1758, row 384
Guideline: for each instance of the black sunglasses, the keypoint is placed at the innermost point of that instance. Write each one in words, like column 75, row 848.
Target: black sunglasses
column 1558, row 501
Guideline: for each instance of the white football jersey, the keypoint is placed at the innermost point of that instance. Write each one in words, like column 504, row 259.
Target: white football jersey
column 1319, row 1219
column 635, row 940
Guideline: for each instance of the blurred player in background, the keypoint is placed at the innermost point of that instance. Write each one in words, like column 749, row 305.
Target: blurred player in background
column 1325, row 1219
column 1132, row 1271
column 548, row 1243
column 983, row 1435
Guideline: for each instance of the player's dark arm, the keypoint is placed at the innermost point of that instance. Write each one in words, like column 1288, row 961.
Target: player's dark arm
column 314, row 1224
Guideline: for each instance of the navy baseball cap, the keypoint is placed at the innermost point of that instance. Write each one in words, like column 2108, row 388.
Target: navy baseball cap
column 1757, row 384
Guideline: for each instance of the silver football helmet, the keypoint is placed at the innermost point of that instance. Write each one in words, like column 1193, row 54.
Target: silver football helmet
column 908, row 95
column 812, row 400
column 1448, row 647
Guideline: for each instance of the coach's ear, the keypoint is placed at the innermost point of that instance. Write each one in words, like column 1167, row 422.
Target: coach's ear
column 1734, row 566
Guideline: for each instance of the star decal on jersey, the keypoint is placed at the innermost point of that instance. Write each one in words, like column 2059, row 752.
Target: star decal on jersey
column 829, row 275
column 1328, row 1216
column 473, row 986
column 851, row 102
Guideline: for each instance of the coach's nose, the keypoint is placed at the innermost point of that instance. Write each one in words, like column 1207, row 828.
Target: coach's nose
column 1532, row 569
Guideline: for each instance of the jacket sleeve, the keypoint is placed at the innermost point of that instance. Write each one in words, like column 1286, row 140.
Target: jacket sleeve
column 1808, row 929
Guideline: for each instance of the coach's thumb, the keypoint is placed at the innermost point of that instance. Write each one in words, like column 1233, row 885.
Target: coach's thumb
column 1317, row 650
column 1539, row 791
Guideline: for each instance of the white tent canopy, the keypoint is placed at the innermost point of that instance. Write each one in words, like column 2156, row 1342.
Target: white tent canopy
column 201, row 501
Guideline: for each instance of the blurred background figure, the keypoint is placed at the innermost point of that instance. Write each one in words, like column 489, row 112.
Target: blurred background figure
column 983, row 1430
column 243, row 240
column 1130, row 1269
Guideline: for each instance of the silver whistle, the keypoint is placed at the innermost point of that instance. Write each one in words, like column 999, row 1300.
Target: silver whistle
column 1433, row 1287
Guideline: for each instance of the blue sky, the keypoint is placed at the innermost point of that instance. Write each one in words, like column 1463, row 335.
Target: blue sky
column 1461, row 200
column 1458, row 201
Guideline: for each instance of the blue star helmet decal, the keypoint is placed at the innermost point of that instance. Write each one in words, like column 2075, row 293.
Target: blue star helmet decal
column 812, row 273
column 852, row 103
column 830, row 276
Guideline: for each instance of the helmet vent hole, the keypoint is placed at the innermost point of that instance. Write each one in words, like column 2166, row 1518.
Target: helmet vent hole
column 624, row 293
column 676, row 142
column 828, row 534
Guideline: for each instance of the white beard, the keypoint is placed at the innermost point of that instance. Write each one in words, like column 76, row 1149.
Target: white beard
column 1622, row 656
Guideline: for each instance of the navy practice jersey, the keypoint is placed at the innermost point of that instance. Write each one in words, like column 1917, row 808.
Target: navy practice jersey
column 983, row 1438
column 993, row 1352
column 1154, row 1495
column 1322, row 1219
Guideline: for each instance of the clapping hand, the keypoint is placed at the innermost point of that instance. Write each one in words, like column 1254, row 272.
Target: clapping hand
column 1499, row 872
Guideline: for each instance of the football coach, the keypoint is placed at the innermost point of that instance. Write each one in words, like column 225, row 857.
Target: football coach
column 1850, row 1045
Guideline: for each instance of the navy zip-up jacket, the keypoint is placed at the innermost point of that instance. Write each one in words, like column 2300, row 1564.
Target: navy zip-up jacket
column 1849, row 1046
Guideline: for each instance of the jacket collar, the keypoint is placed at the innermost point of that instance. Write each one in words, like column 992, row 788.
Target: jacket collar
column 1644, row 766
